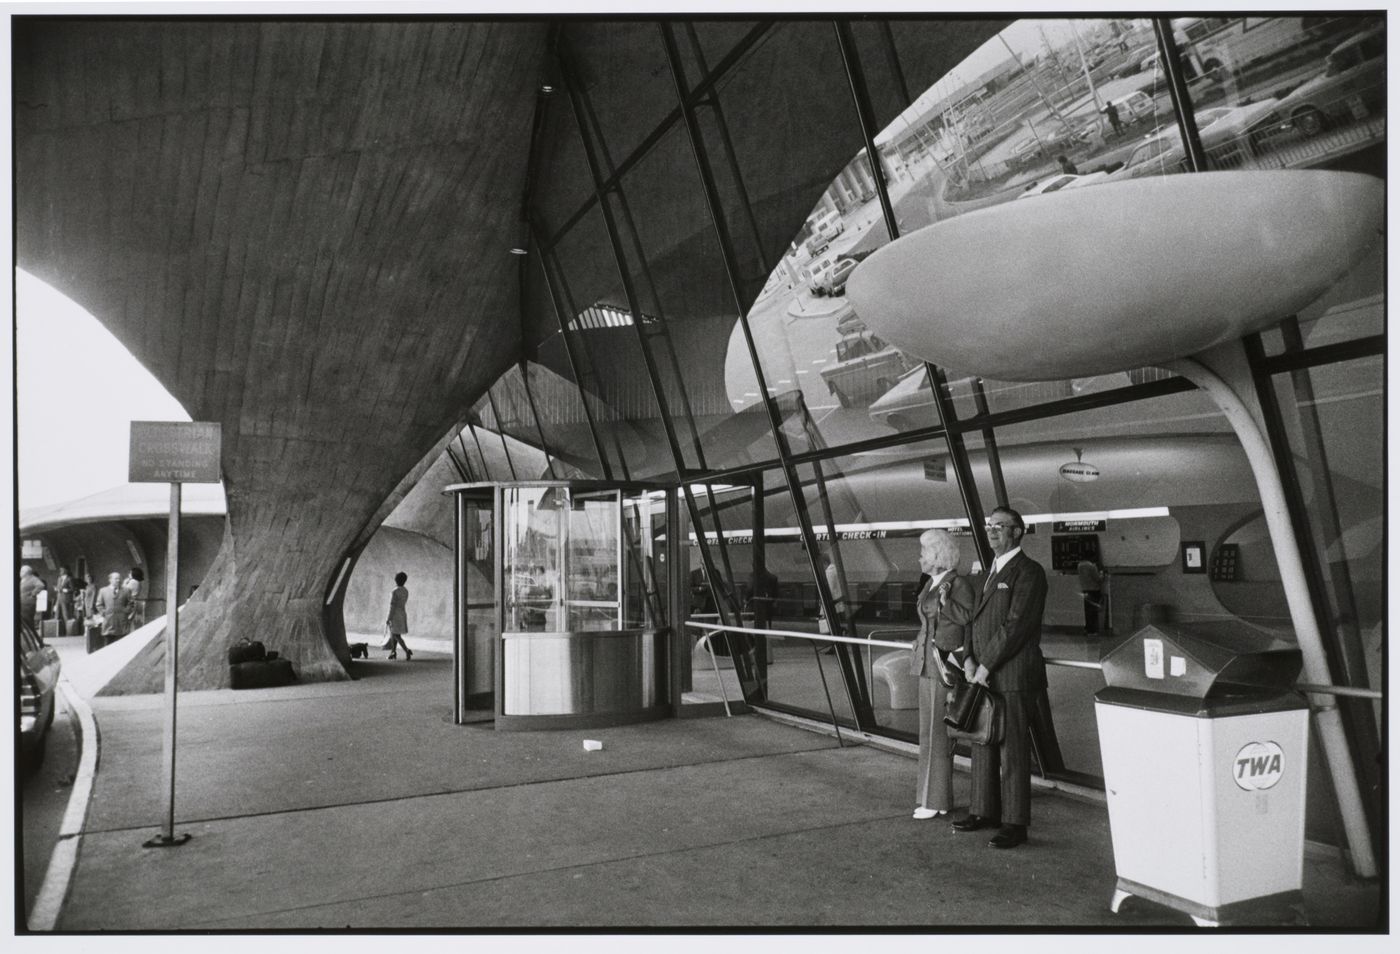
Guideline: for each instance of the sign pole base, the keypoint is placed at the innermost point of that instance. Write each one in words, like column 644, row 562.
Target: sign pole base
column 166, row 841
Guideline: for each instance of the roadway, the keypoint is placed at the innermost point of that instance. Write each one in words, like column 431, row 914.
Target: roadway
column 44, row 798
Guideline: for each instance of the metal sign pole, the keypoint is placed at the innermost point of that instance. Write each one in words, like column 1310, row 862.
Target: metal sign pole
column 167, row 837
column 173, row 452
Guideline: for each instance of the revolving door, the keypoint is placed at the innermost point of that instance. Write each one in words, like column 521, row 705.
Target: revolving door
column 561, row 603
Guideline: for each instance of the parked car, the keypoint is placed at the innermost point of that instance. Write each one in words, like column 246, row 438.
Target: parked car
column 848, row 322
column 1136, row 107
column 819, row 274
column 1135, row 60
column 907, row 405
column 1350, row 87
column 37, row 676
column 1063, row 181
column 836, row 279
column 865, row 368
column 1226, row 136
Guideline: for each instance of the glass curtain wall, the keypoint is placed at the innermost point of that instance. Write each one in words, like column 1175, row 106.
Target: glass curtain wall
column 667, row 175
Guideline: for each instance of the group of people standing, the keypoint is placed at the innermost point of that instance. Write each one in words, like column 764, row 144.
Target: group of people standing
column 110, row 611
column 991, row 638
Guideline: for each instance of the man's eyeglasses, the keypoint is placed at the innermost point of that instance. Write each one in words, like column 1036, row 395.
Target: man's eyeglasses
column 1000, row 527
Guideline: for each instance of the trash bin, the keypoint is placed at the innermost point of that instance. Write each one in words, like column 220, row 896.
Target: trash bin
column 1205, row 754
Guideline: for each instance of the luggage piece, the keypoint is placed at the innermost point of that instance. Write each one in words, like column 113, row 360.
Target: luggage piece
column 262, row 674
column 49, row 629
column 246, row 650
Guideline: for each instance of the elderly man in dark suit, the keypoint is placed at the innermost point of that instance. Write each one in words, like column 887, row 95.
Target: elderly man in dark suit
column 1003, row 653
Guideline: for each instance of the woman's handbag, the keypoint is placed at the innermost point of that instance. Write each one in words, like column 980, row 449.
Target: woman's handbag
column 975, row 714
column 388, row 642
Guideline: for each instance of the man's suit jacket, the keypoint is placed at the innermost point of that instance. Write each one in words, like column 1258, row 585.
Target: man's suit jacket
column 948, row 626
column 115, row 606
column 1005, row 631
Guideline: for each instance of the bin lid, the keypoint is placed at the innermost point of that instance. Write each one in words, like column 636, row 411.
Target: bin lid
column 1221, row 705
column 1200, row 660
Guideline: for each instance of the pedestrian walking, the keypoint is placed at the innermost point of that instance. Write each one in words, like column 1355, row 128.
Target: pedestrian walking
column 397, row 622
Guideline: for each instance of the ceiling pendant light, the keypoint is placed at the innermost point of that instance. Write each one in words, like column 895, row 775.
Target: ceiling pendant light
column 1077, row 470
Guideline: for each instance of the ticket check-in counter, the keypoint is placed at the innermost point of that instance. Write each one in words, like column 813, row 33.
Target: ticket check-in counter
column 1205, row 761
column 561, row 592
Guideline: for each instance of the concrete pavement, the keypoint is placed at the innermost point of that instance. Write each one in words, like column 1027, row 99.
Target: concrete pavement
column 360, row 805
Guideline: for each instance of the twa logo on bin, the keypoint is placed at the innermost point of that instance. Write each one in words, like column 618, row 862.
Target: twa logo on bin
column 1258, row 766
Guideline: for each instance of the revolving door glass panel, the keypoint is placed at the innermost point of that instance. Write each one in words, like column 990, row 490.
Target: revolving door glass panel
column 593, row 545
column 584, row 637
column 534, row 536
column 474, row 660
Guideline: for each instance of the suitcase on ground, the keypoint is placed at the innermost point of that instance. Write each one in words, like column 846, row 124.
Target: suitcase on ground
column 246, row 650
column 262, row 674
column 48, row 629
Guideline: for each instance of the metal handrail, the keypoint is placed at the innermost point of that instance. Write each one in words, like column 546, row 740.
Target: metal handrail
column 1339, row 691
column 724, row 693
column 1306, row 687
column 791, row 634
column 876, row 632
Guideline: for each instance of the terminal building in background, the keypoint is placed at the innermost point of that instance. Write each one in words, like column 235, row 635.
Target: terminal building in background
column 393, row 256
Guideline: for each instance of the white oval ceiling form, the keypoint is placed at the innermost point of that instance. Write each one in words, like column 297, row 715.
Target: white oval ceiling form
column 1116, row 276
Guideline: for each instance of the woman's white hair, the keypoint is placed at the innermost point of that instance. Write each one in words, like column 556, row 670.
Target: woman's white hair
column 943, row 546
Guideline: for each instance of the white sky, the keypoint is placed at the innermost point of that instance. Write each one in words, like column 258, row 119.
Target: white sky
column 76, row 391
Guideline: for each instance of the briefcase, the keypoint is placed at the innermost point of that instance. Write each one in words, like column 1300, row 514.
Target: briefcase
column 246, row 650
column 975, row 714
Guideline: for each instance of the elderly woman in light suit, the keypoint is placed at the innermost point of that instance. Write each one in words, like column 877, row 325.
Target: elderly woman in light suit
column 945, row 606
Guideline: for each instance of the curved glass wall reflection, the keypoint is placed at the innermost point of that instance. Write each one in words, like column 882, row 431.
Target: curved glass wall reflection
column 1287, row 92
column 1333, row 415
column 1044, row 106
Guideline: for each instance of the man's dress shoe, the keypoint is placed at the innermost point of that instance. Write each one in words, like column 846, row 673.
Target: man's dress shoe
column 1009, row 836
column 973, row 823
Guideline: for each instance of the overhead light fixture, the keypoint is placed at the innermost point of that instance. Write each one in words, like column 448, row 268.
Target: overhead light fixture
column 1077, row 470
column 546, row 89
column 517, row 250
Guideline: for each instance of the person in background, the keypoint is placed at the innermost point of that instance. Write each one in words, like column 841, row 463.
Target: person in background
column 86, row 600
column 838, row 600
column 1002, row 652
column 945, row 608
column 135, row 584
column 1111, row 112
column 114, row 606
column 67, row 614
column 30, row 586
column 398, row 617
column 763, row 601
column 1091, row 589
column 1067, row 167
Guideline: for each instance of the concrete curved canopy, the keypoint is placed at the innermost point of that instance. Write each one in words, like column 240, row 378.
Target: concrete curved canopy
column 302, row 230
column 302, row 227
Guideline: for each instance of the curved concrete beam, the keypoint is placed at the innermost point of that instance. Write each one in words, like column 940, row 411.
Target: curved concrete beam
column 302, row 229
